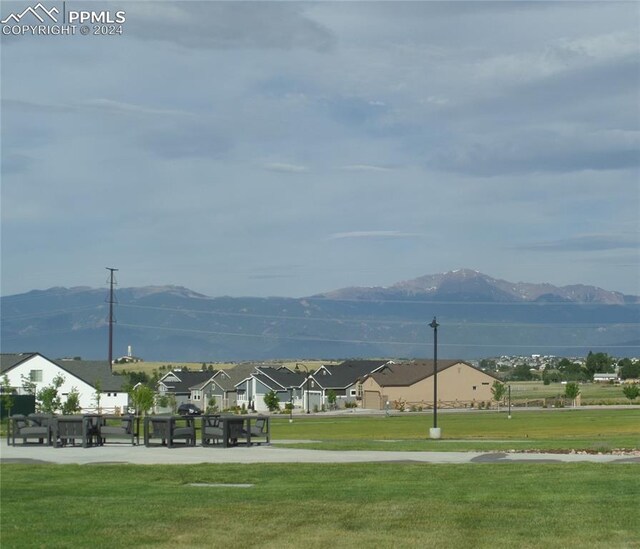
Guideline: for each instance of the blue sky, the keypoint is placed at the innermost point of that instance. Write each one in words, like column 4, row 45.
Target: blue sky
column 293, row 148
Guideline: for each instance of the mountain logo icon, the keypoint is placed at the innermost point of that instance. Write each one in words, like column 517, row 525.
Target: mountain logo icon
column 38, row 11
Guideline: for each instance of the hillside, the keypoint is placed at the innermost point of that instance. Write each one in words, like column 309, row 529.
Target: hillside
column 479, row 316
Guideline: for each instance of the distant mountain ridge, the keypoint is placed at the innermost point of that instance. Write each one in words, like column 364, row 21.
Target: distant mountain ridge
column 468, row 285
column 479, row 316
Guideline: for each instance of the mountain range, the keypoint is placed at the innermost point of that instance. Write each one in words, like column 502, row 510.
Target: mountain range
column 479, row 316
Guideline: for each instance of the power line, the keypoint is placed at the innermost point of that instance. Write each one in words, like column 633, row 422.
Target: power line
column 367, row 341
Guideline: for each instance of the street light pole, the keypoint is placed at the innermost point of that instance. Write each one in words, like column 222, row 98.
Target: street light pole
column 435, row 432
column 306, row 384
column 509, row 416
column 290, row 404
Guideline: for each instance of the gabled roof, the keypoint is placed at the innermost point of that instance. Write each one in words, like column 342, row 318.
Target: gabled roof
column 229, row 378
column 89, row 371
column 9, row 360
column 94, row 372
column 279, row 378
column 186, row 379
column 344, row 375
column 404, row 374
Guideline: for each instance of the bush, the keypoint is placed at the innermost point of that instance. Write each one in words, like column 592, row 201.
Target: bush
column 272, row 401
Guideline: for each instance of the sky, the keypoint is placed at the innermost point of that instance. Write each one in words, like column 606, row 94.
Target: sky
column 292, row 148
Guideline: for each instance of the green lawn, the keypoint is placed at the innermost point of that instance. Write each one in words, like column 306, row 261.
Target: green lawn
column 309, row 505
column 593, row 430
column 591, row 393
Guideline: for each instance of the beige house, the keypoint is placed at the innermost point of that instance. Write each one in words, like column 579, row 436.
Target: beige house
column 459, row 385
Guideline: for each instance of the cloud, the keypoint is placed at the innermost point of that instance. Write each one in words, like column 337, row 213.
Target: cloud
column 373, row 234
column 365, row 168
column 586, row 243
column 284, row 167
column 227, row 25
column 119, row 107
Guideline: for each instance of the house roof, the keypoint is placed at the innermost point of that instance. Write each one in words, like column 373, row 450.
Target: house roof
column 344, row 375
column 228, row 379
column 279, row 378
column 404, row 374
column 9, row 360
column 185, row 379
column 93, row 372
column 89, row 371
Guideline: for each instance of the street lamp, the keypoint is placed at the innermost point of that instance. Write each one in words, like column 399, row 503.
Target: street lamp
column 290, row 404
column 509, row 416
column 435, row 432
column 306, row 384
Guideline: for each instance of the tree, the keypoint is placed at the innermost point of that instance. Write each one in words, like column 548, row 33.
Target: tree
column 7, row 394
column 332, row 398
column 98, row 394
column 598, row 363
column 48, row 400
column 142, row 398
column 72, row 405
column 631, row 391
column 28, row 386
column 498, row 390
column 521, row 372
column 212, row 405
column 629, row 369
column 572, row 390
column 272, row 401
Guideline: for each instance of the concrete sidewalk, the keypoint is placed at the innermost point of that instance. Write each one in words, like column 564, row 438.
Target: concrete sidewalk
column 273, row 454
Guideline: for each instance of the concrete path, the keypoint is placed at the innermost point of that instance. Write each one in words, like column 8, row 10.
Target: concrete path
column 273, row 454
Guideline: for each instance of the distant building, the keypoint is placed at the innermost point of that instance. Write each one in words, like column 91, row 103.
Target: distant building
column 83, row 376
column 459, row 384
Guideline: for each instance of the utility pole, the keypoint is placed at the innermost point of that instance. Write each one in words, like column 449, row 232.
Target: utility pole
column 111, row 301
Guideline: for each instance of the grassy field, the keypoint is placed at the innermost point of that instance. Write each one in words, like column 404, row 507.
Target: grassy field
column 318, row 506
column 591, row 393
column 164, row 367
column 590, row 430
column 378, row 505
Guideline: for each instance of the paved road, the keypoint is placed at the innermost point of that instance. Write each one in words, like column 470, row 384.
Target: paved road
column 274, row 454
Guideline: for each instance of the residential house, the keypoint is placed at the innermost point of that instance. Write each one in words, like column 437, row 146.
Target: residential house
column 88, row 378
column 459, row 385
column 221, row 386
column 343, row 379
column 286, row 383
column 178, row 383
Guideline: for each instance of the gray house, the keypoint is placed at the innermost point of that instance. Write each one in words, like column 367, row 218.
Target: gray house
column 286, row 383
column 221, row 387
column 343, row 379
column 178, row 383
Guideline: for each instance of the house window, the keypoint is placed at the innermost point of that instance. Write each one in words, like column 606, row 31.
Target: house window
column 359, row 390
column 474, row 387
column 197, row 395
column 485, row 383
column 35, row 375
column 353, row 392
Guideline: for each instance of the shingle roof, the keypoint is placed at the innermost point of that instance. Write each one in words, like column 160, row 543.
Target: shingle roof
column 344, row 375
column 9, row 360
column 279, row 378
column 89, row 371
column 407, row 373
column 228, row 379
column 94, row 371
column 186, row 379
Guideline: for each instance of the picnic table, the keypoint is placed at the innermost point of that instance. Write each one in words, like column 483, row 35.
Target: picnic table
column 169, row 429
column 66, row 429
column 232, row 430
